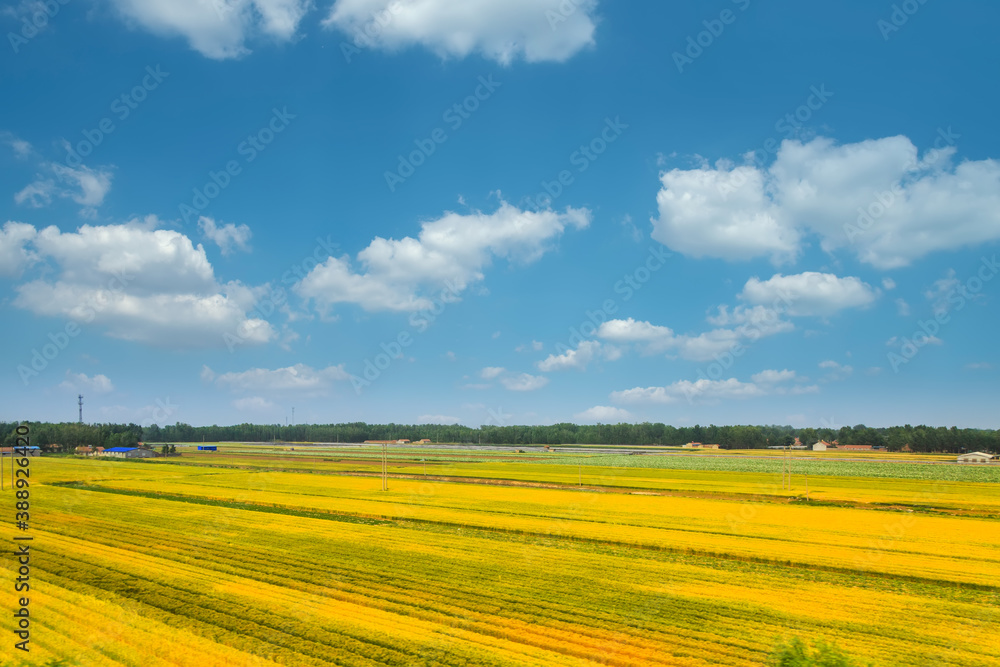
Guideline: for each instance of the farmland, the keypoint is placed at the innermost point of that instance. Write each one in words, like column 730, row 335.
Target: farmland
column 264, row 556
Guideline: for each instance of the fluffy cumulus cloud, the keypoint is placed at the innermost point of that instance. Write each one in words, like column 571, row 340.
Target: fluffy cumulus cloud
column 298, row 378
column 501, row 30
column 81, row 382
column 654, row 339
column 765, row 383
column 810, row 294
column 217, row 28
column 140, row 284
column 697, row 220
column 881, row 199
column 14, row 253
column 632, row 331
column 700, row 390
column 523, row 382
column 579, row 358
column 449, row 254
column 773, row 376
column 770, row 304
column 227, row 236
column 491, row 372
column 604, row 414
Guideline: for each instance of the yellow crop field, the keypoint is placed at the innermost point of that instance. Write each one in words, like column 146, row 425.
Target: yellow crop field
column 141, row 564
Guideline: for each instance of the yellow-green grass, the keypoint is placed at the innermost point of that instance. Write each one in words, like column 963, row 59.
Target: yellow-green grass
column 262, row 566
column 917, row 494
column 904, row 544
column 310, row 591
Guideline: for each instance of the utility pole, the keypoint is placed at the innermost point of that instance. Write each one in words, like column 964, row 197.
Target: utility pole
column 80, row 400
column 385, row 467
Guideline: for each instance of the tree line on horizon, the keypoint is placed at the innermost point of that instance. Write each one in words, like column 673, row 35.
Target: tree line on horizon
column 65, row 437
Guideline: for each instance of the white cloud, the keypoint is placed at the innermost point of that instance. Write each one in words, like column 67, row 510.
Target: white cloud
column 756, row 321
column 604, row 414
column 501, row 30
column 252, row 404
column 83, row 185
column 836, row 371
column 944, row 293
column 535, row 345
column 810, row 293
column 632, row 331
column 585, row 352
column 979, row 366
column 144, row 285
column 879, row 198
column 297, row 378
column 81, row 382
column 491, row 372
column 21, row 148
column 655, row 339
column 92, row 185
column 36, row 194
column 438, row 419
column 450, row 253
column 14, row 255
column 697, row 220
column 700, row 390
column 227, row 236
column 524, row 382
column 889, row 283
column 902, row 308
column 773, row 376
column 217, row 28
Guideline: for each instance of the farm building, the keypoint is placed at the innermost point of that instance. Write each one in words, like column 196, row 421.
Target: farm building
column 820, row 446
column 691, row 445
column 709, row 446
column 402, row 442
column 424, row 441
column 128, row 453
column 975, row 457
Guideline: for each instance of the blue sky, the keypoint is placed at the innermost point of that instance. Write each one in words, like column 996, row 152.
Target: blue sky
column 520, row 211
